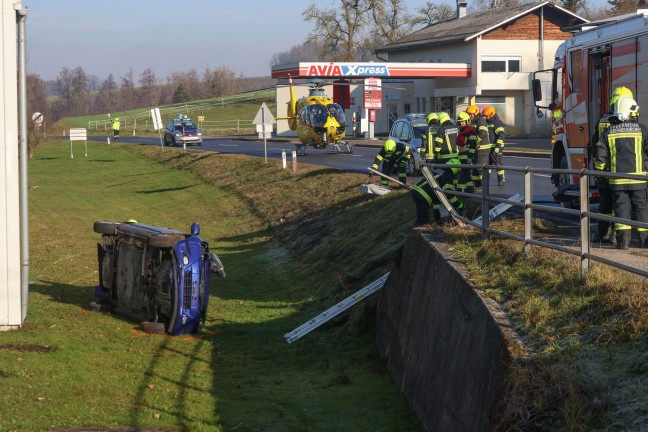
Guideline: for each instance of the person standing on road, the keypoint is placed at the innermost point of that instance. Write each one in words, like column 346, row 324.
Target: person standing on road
column 429, row 136
column 483, row 142
column 624, row 145
column 605, row 230
column 393, row 156
column 425, row 198
column 445, row 142
column 116, row 125
column 467, row 144
column 496, row 137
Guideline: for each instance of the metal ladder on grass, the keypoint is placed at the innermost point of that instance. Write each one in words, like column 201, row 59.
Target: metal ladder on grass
column 334, row 311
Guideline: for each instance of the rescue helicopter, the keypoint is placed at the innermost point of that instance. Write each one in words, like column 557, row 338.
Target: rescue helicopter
column 318, row 120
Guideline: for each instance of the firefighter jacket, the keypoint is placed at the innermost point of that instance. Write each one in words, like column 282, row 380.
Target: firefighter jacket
column 483, row 139
column 496, row 133
column 467, row 143
column 622, row 149
column 445, row 142
column 116, row 125
column 601, row 126
column 400, row 156
column 445, row 179
column 427, row 144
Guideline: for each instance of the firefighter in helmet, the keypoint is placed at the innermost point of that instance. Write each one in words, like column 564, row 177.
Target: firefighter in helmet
column 393, row 157
column 483, row 142
column 425, row 197
column 467, row 145
column 445, row 142
column 623, row 147
column 605, row 229
column 496, row 137
column 428, row 138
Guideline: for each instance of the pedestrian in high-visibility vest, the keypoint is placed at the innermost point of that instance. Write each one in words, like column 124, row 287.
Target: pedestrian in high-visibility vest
column 624, row 145
column 116, row 125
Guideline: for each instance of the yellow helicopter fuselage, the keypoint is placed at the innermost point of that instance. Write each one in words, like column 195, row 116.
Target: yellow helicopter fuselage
column 320, row 121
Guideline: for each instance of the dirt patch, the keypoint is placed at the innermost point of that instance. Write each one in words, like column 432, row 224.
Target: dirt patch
column 29, row 347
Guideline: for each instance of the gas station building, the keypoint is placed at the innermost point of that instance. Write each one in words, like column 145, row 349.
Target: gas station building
column 482, row 58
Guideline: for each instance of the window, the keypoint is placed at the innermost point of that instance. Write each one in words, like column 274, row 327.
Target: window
column 501, row 63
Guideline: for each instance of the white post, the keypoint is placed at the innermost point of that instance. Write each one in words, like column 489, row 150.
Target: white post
column 283, row 158
column 294, row 160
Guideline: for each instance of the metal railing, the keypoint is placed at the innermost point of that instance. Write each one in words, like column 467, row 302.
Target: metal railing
column 583, row 213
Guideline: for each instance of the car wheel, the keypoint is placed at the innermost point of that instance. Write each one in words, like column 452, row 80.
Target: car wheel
column 105, row 227
column 153, row 327
column 411, row 168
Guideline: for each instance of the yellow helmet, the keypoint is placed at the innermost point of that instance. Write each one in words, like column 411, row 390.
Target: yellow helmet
column 619, row 92
column 390, row 146
column 432, row 117
column 472, row 109
column 454, row 161
column 626, row 108
column 463, row 116
column 443, row 117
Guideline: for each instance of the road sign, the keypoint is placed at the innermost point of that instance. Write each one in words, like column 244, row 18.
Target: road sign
column 157, row 119
column 264, row 116
column 373, row 93
column 37, row 118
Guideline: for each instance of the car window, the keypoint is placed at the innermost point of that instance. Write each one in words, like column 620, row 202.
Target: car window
column 419, row 131
column 397, row 129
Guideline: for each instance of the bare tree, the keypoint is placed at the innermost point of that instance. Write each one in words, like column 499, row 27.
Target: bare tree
column 80, row 88
column 620, row 7
column 36, row 102
column 306, row 51
column 432, row 13
column 150, row 89
column 340, row 29
column 127, row 91
column 221, row 81
column 64, row 89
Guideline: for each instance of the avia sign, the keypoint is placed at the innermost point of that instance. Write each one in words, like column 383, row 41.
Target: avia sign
column 346, row 70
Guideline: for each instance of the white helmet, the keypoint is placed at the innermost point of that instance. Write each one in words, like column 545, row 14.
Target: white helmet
column 626, row 108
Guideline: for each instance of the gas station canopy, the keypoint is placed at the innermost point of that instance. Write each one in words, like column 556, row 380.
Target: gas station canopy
column 371, row 69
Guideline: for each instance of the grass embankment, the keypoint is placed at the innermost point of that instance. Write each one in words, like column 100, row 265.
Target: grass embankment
column 68, row 367
column 220, row 116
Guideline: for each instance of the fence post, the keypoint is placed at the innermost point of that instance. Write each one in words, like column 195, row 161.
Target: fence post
column 584, row 222
column 528, row 211
column 238, row 126
column 294, row 160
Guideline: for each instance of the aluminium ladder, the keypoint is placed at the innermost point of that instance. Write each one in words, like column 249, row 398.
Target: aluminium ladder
column 334, row 311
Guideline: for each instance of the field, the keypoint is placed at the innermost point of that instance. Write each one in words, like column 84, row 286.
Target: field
column 69, row 367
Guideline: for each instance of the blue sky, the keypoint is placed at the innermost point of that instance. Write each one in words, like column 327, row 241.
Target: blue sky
column 167, row 36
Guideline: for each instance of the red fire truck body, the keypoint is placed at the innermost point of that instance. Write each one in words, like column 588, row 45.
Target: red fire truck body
column 587, row 68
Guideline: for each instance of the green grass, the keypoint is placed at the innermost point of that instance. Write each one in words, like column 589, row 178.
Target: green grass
column 273, row 230
column 237, row 107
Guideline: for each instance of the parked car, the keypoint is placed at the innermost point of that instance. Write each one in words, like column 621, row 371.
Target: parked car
column 409, row 131
column 154, row 275
column 182, row 130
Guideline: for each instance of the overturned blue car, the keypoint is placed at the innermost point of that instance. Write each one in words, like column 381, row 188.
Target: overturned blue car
column 157, row 276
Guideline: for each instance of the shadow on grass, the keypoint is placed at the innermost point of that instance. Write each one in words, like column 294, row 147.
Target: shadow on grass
column 165, row 190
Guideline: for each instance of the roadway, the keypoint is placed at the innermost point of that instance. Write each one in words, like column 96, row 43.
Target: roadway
column 364, row 152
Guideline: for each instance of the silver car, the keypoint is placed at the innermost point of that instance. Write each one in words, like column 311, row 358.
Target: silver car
column 409, row 130
column 182, row 130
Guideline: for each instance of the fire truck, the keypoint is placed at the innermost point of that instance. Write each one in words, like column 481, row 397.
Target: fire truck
column 598, row 58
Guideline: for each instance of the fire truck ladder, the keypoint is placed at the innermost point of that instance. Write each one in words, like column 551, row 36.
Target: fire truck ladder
column 334, row 311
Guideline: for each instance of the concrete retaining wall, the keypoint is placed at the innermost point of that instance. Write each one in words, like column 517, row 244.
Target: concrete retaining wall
column 444, row 343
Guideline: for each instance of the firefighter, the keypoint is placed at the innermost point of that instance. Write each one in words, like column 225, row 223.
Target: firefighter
column 622, row 149
column 483, row 142
column 116, row 125
column 467, row 144
column 393, row 156
column 496, row 137
column 605, row 229
column 424, row 196
column 445, row 142
column 428, row 137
